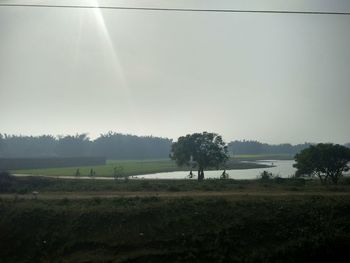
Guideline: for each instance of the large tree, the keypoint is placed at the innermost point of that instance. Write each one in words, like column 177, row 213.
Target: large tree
column 327, row 161
column 203, row 150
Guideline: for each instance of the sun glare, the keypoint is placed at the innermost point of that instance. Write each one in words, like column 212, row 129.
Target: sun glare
column 111, row 48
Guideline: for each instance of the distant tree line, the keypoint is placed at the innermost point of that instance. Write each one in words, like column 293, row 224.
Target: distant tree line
column 110, row 145
column 118, row 146
column 255, row 147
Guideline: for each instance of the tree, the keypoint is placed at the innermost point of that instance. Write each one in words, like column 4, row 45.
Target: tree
column 73, row 145
column 265, row 176
column 204, row 150
column 327, row 161
column 118, row 172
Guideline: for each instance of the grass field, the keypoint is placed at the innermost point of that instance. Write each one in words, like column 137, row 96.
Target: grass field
column 129, row 167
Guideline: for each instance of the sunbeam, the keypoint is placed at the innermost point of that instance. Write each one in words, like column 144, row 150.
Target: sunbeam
column 112, row 50
column 78, row 42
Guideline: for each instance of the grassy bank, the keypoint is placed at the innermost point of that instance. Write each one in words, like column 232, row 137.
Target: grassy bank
column 129, row 168
column 26, row 185
column 153, row 229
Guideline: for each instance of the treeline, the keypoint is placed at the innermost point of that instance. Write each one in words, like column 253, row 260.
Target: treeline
column 118, row 146
column 110, row 145
column 255, row 147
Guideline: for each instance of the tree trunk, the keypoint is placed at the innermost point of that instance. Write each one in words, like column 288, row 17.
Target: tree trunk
column 200, row 174
column 335, row 177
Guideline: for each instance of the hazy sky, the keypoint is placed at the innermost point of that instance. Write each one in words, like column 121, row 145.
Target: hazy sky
column 271, row 77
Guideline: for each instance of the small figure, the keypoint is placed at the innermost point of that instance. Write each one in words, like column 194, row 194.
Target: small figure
column 35, row 194
column 115, row 174
column 190, row 175
column 224, row 175
column 77, row 173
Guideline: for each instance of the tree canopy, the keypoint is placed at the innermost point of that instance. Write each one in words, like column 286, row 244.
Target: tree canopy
column 326, row 161
column 200, row 150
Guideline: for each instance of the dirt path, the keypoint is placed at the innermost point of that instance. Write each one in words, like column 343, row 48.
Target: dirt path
column 240, row 194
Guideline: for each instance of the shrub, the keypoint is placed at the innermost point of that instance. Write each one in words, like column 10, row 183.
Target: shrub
column 173, row 188
column 345, row 180
column 6, row 180
column 265, row 175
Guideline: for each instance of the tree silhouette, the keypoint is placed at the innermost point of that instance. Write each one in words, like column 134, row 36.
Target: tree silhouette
column 207, row 150
column 326, row 161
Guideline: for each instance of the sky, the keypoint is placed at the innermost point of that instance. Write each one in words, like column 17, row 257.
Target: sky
column 275, row 78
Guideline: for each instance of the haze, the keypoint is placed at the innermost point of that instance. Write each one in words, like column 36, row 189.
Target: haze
column 270, row 77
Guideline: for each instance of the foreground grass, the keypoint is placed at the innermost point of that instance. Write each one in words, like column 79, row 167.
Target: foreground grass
column 129, row 168
column 276, row 220
column 153, row 229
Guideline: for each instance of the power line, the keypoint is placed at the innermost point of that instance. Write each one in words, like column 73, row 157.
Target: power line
column 177, row 9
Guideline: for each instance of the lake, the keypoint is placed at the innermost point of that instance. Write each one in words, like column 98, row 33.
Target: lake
column 283, row 168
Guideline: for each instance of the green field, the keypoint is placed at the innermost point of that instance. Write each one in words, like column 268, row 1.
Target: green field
column 129, row 168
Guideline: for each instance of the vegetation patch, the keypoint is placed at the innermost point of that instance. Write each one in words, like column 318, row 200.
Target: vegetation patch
column 279, row 229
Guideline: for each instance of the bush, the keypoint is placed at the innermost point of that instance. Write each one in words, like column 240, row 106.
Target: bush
column 6, row 180
column 279, row 180
column 345, row 180
column 173, row 188
column 265, row 175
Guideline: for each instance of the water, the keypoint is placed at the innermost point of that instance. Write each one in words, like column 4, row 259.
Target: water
column 283, row 168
